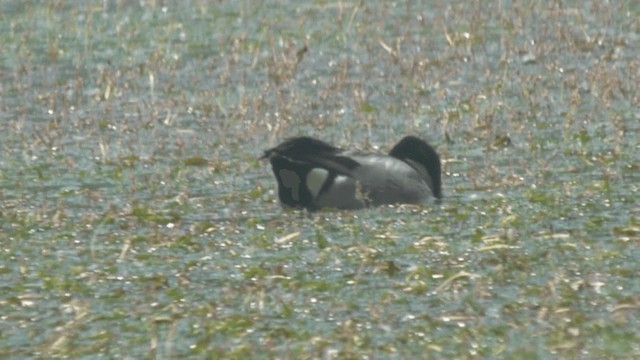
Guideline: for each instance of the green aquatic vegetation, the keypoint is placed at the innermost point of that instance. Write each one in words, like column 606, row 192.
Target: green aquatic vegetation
column 137, row 220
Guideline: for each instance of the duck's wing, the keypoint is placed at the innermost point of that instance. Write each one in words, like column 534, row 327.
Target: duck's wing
column 339, row 164
column 388, row 180
column 376, row 180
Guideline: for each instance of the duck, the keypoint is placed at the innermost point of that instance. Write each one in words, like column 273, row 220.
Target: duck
column 313, row 175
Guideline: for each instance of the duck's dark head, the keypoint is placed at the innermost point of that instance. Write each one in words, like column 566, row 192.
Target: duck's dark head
column 419, row 151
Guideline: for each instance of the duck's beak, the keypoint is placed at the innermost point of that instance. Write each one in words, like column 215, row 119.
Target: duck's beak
column 266, row 155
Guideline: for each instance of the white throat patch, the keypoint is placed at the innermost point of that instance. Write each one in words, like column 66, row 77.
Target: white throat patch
column 315, row 179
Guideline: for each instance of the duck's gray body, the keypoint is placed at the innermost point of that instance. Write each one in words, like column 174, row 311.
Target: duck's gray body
column 313, row 174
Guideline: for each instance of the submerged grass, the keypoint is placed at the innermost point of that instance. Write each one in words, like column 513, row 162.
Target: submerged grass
column 136, row 220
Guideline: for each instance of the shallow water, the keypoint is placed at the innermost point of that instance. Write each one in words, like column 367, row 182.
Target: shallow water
column 137, row 221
